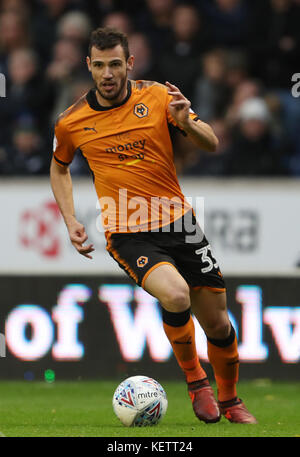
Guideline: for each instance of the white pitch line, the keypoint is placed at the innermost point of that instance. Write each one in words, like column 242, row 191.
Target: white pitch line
column 2, row 435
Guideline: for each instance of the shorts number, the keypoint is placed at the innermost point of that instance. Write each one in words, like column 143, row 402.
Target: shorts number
column 206, row 259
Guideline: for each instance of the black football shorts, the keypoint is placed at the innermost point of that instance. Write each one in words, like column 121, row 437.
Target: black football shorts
column 181, row 244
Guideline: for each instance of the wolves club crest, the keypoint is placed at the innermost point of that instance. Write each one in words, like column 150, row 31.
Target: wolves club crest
column 142, row 261
column 140, row 110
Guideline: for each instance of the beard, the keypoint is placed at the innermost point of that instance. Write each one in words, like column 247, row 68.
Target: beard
column 115, row 93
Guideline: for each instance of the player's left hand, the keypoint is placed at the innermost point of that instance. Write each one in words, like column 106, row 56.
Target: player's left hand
column 179, row 107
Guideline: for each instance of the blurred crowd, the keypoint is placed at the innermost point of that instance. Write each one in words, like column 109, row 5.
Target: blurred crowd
column 233, row 59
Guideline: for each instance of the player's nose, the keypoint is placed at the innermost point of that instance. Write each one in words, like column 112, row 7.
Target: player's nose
column 107, row 74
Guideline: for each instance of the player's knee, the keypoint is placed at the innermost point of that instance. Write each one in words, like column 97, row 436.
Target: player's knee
column 176, row 299
column 218, row 329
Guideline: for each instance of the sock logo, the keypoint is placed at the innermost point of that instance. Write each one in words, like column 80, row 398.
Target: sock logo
column 234, row 362
column 189, row 341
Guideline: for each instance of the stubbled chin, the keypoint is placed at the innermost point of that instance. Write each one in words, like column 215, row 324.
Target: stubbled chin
column 108, row 91
column 109, row 95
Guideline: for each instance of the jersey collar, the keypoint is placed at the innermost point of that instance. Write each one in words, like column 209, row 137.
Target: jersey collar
column 94, row 104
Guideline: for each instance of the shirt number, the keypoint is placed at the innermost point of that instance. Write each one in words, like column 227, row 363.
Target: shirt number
column 205, row 258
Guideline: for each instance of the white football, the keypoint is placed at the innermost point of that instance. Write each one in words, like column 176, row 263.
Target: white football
column 140, row 401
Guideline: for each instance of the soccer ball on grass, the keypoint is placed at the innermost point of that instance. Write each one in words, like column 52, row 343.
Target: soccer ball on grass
column 140, row 401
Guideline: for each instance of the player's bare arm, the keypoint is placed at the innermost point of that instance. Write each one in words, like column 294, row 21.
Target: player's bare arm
column 199, row 132
column 61, row 183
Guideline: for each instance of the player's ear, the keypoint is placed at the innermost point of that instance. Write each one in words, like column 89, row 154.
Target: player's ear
column 88, row 62
column 130, row 63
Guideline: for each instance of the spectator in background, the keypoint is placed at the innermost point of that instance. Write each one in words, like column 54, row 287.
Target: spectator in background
column 179, row 58
column 5, row 167
column 275, row 42
column 250, row 88
column 120, row 21
column 27, row 154
column 236, row 68
column 97, row 9
column 100, row 7
column 294, row 160
column 243, row 91
column 274, row 53
column 14, row 35
column 211, row 92
column 256, row 149
column 44, row 26
column 199, row 163
column 66, row 67
column 155, row 21
column 75, row 26
column 21, row 7
column 144, row 66
column 229, row 22
column 222, row 71
column 246, row 46
column 105, row 5
column 27, row 93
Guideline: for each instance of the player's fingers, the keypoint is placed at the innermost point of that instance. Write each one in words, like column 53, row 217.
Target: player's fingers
column 85, row 254
column 173, row 88
column 83, row 237
column 182, row 100
column 78, row 237
column 176, row 94
column 84, row 250
column 171, row 85
column 80, row 231
column 183, row 103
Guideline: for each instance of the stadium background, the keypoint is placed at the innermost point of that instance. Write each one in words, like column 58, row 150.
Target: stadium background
column 66, row 317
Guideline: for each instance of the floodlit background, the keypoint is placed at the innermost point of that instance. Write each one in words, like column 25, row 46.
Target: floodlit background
column 64, row 316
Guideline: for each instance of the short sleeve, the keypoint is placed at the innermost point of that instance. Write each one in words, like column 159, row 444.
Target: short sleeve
column 63, row 149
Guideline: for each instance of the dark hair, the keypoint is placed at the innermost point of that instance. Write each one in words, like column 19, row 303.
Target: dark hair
column 107, row 38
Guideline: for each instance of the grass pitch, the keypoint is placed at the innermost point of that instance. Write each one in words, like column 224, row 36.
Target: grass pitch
column 84, row 409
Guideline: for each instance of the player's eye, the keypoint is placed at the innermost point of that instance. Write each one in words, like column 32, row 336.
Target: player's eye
column 116, row 64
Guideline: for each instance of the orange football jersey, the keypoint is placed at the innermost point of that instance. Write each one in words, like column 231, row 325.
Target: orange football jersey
column 129, row 151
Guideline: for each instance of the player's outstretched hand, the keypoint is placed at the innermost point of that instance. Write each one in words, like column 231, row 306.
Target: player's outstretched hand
column 179, row 107
column 78, row 236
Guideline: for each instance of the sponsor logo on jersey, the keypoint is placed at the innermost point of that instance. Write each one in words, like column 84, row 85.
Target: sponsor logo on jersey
column 139, row 156
column 122, row 150
column 130, row 146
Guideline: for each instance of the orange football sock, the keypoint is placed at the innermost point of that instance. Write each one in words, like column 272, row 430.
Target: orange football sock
column 224, row 358
column 182, row 339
